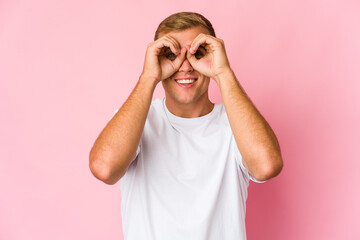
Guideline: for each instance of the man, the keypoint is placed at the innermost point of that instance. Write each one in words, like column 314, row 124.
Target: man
column 185, row 161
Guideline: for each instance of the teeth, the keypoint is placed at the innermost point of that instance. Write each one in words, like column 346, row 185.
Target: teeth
column 185, row 80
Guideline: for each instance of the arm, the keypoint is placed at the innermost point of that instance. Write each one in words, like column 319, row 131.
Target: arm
column 255, row 139
column 115, row 148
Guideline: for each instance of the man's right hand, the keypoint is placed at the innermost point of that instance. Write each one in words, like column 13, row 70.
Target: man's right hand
column 163, row 58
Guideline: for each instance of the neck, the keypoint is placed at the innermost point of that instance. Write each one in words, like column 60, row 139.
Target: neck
column 189, row 110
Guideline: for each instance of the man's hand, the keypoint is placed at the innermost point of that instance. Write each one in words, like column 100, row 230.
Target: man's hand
column 163, row 58
column 207, row 55
column 254, row 137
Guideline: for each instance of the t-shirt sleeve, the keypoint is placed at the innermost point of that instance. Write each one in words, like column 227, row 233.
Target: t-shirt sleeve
column 115, row 113
column 137, row 151
column 239, row 160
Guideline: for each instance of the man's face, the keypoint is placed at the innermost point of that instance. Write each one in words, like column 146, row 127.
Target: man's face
column 177, row 87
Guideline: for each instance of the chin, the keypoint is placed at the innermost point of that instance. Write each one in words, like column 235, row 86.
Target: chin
column 188, row 99
column 185, row 100
column 180, row 96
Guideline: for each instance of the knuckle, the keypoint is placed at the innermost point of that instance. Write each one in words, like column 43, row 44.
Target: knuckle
column 221, row 42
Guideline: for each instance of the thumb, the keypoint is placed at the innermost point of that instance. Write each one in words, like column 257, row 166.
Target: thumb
column 180, row 58
column 191, row 57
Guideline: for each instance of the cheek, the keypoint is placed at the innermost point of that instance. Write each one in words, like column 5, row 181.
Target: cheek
column 167, row 83
column 205, row 82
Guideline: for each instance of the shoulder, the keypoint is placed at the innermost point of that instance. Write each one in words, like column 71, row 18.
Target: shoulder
column 156, row 106
column 156, row 111
column 221, row 113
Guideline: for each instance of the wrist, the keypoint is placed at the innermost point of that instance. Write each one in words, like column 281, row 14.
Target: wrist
column 148, row 81
column 225, row 76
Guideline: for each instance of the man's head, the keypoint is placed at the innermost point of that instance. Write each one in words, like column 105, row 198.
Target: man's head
column 184, row 27
column 182, row 21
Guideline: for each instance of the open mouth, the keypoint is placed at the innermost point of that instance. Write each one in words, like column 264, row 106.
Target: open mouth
column 186, row 83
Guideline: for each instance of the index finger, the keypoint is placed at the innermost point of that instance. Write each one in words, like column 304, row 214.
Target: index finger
column 165, row 42
column 200, row 40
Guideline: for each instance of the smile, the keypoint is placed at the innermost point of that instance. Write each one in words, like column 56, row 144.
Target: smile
column 186, row 83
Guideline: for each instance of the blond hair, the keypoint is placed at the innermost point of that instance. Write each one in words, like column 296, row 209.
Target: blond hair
column 182, row 21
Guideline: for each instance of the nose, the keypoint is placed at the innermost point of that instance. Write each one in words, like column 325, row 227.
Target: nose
column 186, row 66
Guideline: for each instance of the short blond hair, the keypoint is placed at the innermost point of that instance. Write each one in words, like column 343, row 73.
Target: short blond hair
column 182, row 21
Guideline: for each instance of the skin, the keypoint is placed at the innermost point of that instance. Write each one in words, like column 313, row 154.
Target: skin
column 189, row 53
column 187, row 102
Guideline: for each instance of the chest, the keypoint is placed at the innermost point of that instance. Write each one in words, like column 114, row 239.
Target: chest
column 186, row 152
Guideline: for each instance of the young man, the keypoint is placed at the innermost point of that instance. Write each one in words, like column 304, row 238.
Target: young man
column 185, row 161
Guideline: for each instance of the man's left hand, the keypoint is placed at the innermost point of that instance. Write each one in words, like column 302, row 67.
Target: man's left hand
column 207, row 55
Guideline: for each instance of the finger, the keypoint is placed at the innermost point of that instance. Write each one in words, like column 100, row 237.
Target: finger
column 202, row 39
column 163, row 43
column 175, row 42
column 180, row 58
column 191, row 57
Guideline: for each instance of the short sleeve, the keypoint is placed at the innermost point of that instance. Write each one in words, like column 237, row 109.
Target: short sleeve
column 115, row 113
column 137, row 151
column 238, row 158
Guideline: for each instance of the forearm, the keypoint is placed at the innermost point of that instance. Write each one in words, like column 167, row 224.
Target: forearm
column 116, row 146
column 254, row 137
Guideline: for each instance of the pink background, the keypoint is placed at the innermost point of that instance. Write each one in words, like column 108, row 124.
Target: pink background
column 65, row 66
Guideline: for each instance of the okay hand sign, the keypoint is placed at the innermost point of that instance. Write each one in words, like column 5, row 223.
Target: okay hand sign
column 163, row 58
column 207, row 55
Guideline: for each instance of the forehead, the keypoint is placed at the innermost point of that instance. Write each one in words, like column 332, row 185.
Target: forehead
column 186, row 37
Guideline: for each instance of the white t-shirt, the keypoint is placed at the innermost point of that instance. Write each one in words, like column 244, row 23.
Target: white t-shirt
column 187, row 181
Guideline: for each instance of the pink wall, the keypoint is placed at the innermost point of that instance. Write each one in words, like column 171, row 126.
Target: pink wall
column 65, row 66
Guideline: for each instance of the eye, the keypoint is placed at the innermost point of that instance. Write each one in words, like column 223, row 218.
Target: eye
column 201, row 52
column 171, row 56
